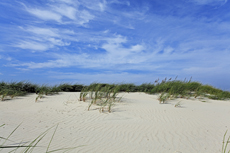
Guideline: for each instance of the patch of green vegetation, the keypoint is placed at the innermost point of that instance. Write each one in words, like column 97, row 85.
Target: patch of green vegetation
column 102, row 95
column 11, row 90
column 187, row 89
column 175, row 88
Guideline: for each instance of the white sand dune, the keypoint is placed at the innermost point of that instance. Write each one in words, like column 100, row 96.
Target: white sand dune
column 138, row 124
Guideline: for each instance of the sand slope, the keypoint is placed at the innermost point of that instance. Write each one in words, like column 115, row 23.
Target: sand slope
column 137, row 124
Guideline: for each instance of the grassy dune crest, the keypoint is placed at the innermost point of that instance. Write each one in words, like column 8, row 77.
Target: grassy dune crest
column 170, row 88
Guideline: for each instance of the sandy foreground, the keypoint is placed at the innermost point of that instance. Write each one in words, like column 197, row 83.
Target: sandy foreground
column 137, row 124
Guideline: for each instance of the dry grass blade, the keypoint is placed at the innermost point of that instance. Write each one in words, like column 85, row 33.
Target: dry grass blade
column 66, row 149
column 2, row 125
column 163, row 97
column 2, row 145
column 110, row 104
column 225, row 144
column 91, row 103
column 84, row 96
column 39, row 96
column 103, row 104
column 178, row 104
column 35, row 142
column 52, row 138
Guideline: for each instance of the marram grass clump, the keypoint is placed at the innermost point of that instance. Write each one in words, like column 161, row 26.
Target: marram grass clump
column 102, row 95
column 170, row 89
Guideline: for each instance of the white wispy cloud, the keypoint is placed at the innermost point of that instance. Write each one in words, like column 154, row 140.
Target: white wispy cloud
column 116, row 50
column 102, row 6
column 62, row 13
column 120, row 50
column 66, row 11
column 209, row 2
column 65, row 1
column 138, row 55
column 50, row 32
column 96, row 5
column 34, row 46
column 84, row 17
column 44, row 45
column 115, row 53
column 42, row 39
column 58, row 42
column 5, row 57
column 45, row 14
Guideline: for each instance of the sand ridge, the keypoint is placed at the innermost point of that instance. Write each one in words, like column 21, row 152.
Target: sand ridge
column 137, row 124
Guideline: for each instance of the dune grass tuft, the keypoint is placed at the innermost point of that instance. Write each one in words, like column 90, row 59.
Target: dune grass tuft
column 163, row 97
column 102, row 95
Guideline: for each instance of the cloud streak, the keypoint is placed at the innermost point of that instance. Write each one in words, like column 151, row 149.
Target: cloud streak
column 210, row 2
column 62, row 13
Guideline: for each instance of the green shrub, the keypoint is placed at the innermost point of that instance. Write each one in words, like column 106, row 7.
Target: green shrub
column 65, row 87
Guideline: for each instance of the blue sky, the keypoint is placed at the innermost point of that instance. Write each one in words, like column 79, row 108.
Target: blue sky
column 115, row 41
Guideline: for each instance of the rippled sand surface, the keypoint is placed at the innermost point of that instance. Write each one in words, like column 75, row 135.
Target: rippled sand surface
column 137, row 124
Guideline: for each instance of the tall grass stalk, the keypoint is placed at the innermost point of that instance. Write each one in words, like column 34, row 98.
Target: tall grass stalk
column 6, row 139
column 225, row 144
column 91, row 103
column 84, row 96
column 110, row 104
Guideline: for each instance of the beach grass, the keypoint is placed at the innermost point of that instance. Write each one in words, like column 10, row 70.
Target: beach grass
column 178, row 104
column 102, row 95
column 29, row 146
column 225, row 143
column 174, row 88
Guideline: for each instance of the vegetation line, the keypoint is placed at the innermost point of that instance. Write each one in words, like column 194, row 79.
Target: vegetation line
column 169, row 88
